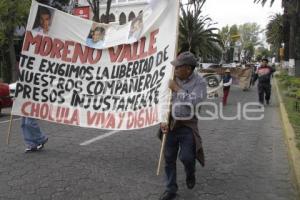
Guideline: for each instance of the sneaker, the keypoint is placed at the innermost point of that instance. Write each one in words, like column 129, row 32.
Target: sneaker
column 268, row 102
column 190, row 181
column 31, row 149
column 41, row 146
column 167, row 196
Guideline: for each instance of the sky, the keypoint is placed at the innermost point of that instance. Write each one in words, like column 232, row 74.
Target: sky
column 239, row 12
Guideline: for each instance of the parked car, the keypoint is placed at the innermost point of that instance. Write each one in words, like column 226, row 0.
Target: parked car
column 5, row 99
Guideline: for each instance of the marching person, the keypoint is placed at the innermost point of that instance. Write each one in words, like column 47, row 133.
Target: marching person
column 34, row 138
column 227, row 81
column 263, row 74
column 253, row 74
column 189, row 89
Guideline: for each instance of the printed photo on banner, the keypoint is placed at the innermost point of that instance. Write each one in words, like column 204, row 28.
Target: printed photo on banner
column 136, row 28
column 43, row 20
column 96, row 36
column 124, row 87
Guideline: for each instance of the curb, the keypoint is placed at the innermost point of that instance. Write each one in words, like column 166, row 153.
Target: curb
column 289, row 135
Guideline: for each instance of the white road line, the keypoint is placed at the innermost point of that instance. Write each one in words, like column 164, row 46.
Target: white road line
column 100, row 137
column 9, row 120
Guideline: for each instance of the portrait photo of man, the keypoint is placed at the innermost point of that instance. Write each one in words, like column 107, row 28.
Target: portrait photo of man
column 43, row 20
column 96, row 36
column 136, row 28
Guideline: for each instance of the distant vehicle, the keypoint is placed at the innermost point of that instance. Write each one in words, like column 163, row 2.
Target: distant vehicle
column 231, row 65
column 208, row 65
column 5, row 99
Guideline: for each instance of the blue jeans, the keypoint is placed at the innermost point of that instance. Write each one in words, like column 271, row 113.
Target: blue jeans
column 32, row 133
column 181, row 138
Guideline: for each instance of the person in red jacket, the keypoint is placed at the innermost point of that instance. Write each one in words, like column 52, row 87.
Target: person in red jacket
column 227, row 81
column 263, row 74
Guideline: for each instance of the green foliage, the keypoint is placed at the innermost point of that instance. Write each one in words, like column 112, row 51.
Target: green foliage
column 229, row 35
column 247, row 35
column 262, row 52
column 289, row 87
column 290, row 84
column 274, row 31
column 263, row 2
column 249, row 38
column 295, row 82
column 195, row 32
column 12, row 13
column 298, row 94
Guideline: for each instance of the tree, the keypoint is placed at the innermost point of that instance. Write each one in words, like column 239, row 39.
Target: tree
column 262, row 52
column 61, row 5
column 229, row 36
column 249, row 38
column 263, row 2
column 195, row 32
column 274, row 33
column 95, row 6
column 12, row 14
column 291, row 26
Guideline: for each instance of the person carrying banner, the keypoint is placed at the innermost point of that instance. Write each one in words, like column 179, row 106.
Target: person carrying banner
column 189, row 89
column 34, row 138
column 227, row 81
column 263, row 74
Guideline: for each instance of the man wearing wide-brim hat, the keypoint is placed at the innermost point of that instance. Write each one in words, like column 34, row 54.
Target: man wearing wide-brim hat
column 189, row 89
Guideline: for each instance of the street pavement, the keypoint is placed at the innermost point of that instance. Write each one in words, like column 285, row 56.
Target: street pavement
column 245, row 159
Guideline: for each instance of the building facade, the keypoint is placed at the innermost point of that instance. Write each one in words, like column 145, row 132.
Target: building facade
column 122, row 11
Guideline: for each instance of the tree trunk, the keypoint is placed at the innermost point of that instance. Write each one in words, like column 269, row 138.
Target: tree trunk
column 292, row 45
column 297, row 40
column 4, row 63
column 12, row 59
column 96, row 11
column 95, row 6
column 107, row 13
column 286, row 37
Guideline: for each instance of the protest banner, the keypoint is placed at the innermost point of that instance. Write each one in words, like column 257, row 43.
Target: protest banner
column 77, row 72
column 241, row 76
column 83, row 11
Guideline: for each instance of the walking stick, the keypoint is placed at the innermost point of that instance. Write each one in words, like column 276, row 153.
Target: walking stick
column 9, row 129
column 162, row 149
column 163, row 141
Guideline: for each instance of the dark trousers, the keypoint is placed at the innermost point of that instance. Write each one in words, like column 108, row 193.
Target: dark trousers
column 179, row 139
column 264, row 92
column 225, row 94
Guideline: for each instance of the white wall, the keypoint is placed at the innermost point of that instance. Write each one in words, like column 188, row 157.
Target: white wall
column 119, row 6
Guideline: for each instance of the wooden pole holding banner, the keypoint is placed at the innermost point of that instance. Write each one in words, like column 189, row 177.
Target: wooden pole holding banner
column 9, row 129
column 163, row 141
